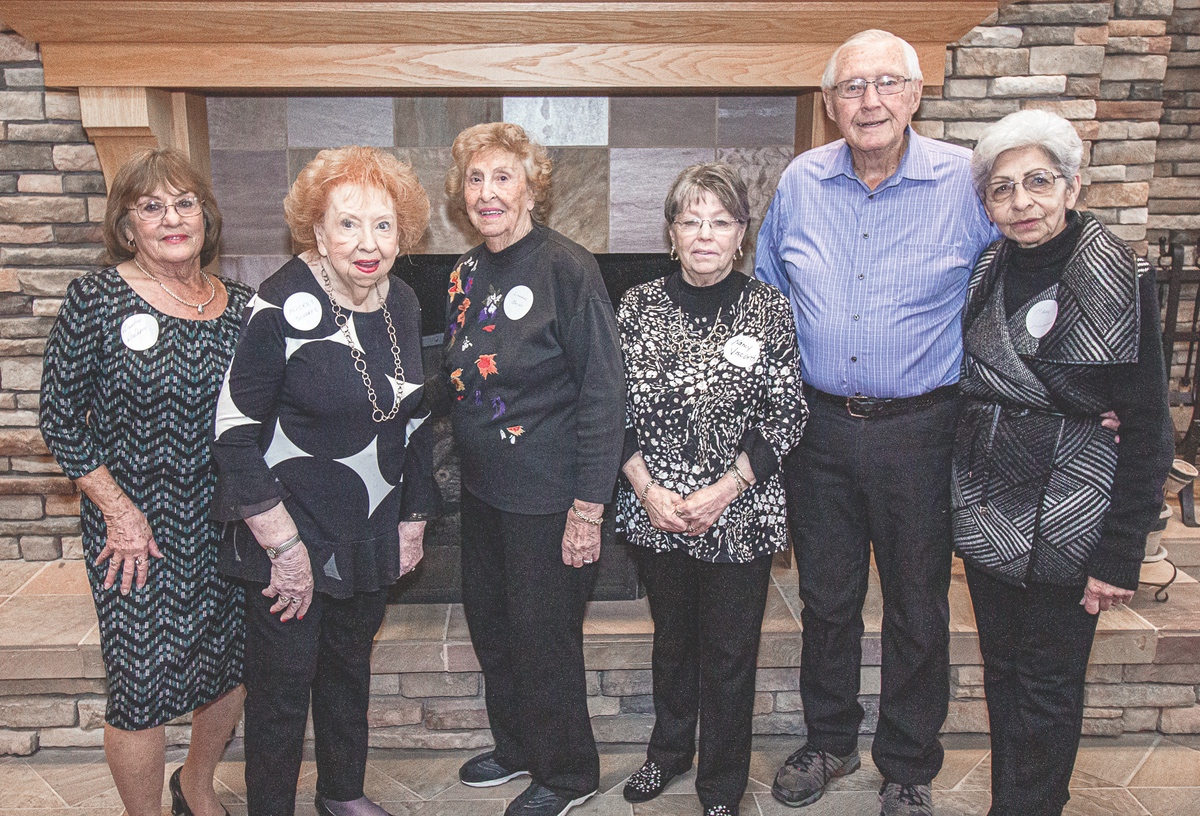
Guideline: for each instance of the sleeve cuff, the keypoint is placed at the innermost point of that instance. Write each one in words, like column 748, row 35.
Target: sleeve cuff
column 763, row 459
column 1120, row 572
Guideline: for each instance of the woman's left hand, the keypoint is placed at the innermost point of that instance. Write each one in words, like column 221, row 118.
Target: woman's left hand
column 412, row 545
column 581, row 541
column 700, row 510
column 1099, row 596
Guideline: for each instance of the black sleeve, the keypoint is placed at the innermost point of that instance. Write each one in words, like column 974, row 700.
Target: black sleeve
column 1144, row 454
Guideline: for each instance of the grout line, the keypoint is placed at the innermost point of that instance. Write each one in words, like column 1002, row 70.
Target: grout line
column 31, row 578
column 1145, row 758
column 47, row 784
column 975, row 767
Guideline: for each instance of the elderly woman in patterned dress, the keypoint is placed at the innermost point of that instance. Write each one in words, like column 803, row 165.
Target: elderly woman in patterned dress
column 714, row 403
column 326, row 472
column 133, row 368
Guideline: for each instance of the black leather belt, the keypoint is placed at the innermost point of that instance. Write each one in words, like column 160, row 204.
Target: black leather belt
column 871, row 407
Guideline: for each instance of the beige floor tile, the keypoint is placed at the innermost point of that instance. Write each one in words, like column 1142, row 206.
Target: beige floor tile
column 964, row 753
column 1105, row 762
column 380, row 787
column 962, row 614
column 978, row 778
column 617, row 762
column 1168, row 801
column 833, row 803
column 778, row 617
column 14, row 574
column 450, row 807
column 61, row 811
column 1170, row 763
column 47, row 620
column 60, row 578
column 24, row 788
column 77, row 777
column 1102, row 802
column 414, row 622
column 457, row 791
column 457, row 628
column 618, row 618
column 426, row 773
column 231, row 777
column 961, row 803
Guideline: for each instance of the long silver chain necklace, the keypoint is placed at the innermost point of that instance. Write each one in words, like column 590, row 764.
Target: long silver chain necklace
column 360, row 362
column 199, row 307
column 699, row 350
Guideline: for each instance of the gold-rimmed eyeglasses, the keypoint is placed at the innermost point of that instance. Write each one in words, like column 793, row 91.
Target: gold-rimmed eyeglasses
column 884, row 86
column 1039, row 183
column 155, row 210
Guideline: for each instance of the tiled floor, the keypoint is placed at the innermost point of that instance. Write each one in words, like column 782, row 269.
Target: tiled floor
column 1135, row 774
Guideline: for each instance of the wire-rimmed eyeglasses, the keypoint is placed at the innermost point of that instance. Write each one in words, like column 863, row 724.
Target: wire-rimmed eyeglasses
column 884, row 86
column 155, row 210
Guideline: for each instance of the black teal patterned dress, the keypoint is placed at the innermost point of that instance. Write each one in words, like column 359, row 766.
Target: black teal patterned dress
column 294, row 424
column 127, row 386
column 692, row 412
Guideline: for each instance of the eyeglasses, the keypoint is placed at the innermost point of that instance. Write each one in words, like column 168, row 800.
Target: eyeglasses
column 1038, row 183
column 884, row 86
column 155, row 210
column 720, row 226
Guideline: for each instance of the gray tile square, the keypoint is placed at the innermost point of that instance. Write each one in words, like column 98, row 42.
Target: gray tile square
column 449, row 229
column 560, row 120
column 760, row 168
column 250, row 186
column 247, row 123
column 756, row 121
column 251, row 270
column 334, row 121
column 579, row 195
column 638, row 182
column 662, row 121
column 434, row 121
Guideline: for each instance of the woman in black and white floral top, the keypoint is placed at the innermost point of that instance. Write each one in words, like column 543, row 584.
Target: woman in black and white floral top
column 714, row 403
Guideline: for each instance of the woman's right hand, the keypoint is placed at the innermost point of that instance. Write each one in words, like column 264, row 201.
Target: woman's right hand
column 291, row 583
column 661, row 505
column 128, row 547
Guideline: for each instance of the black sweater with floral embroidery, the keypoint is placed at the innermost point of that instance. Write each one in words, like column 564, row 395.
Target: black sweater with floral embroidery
column 534, row 367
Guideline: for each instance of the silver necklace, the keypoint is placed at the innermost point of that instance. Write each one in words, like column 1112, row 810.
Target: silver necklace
column 699, row 350
column 199, row 307
column 360, row 362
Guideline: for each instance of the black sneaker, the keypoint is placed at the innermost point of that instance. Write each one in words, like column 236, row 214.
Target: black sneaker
column 804, row 775
column 648, row 782
column 484, row 771
column 540, row 801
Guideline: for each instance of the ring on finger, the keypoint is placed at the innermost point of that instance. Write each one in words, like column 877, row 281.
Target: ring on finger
column 139, row 561
column 294, row 602
column 284, row 599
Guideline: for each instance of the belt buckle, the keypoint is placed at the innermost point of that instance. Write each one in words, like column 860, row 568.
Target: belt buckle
column 851, row 402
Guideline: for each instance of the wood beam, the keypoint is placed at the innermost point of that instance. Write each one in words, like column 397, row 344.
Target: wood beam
column 527, row 68
column 813, row 126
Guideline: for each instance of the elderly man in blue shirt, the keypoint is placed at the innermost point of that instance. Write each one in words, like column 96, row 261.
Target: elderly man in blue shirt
column 872, row 238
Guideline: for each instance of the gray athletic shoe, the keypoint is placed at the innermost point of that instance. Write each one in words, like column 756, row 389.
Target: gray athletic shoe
column 905, row 800
column 804, row 775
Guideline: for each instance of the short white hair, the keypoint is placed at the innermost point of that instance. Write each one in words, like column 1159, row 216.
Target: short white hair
column 1027, row 128
column 912, row 65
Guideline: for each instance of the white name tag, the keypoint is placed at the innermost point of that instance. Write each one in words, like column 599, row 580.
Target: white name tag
column 139, row 331
column 302, row 311
column 517, row 302
column 1040, row 317
column 742, row 350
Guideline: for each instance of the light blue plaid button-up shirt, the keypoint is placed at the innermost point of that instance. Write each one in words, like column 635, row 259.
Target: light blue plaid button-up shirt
column 876, row 278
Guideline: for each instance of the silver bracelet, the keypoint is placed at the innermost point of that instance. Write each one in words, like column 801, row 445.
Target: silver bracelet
column 595, row 522
column 280, row 549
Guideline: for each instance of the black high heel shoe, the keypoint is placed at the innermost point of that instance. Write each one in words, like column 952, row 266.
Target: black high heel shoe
column 179, row 805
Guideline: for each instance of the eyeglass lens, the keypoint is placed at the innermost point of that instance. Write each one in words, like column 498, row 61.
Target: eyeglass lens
column 884, row 85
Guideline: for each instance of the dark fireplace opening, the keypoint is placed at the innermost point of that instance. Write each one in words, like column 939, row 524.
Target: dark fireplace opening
column 438, row 578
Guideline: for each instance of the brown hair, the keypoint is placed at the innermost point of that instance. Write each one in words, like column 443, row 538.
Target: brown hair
column 718, row 178
column 366, row 167
column 146, row 172
column 509, row 138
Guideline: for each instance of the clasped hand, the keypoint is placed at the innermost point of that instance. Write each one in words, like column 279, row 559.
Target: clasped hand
column 693, row 515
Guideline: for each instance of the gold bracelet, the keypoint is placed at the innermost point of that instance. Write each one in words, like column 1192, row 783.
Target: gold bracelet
column 738, row 471
column 738, row 481
column 646, row 491
column 595, row 522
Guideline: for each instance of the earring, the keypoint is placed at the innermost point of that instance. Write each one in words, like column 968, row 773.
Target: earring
column 738, row 253
column 131, row 243
column 673, row 256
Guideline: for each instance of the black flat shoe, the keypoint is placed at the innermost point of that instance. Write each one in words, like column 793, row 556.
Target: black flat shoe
column 179, row 805
column 648, row 782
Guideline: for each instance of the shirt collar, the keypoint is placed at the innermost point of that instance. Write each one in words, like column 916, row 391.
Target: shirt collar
column 914, row 164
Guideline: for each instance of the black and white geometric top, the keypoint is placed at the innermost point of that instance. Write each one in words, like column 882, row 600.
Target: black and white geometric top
column 294, row 424
column 693, row 414
column 129, row 387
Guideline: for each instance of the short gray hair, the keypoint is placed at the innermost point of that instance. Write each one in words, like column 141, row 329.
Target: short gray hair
column 718, row 178
column 873, row 35
column 1027, row 128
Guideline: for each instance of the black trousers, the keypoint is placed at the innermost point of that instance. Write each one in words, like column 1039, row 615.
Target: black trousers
column 328, row 656
column 524, row 608
column 883, row 482
column 707, row 622
column 1035, row 643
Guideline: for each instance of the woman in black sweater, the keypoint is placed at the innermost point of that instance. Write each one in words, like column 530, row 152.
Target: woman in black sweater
column 1050, row 512
column 534, row 366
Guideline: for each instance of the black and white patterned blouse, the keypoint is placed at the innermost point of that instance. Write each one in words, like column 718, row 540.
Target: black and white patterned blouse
column 693, row 413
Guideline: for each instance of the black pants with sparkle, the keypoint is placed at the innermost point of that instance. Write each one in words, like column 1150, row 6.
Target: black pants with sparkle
column 883, row 483
column 707, row 622
column 524, row 608
column 1035, row 643
column 327, row 656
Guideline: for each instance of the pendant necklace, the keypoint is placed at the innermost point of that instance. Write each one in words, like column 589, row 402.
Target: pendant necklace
column 360, row 363
column 199, row 307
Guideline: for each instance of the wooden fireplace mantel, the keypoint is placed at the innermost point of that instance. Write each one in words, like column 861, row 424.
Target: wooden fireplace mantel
column 143, row 66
